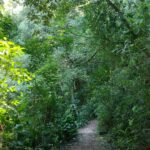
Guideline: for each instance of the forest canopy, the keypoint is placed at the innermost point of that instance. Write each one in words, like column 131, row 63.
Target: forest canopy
column 65, row 62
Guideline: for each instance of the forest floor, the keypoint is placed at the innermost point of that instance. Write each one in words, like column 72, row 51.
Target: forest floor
column 88, row 139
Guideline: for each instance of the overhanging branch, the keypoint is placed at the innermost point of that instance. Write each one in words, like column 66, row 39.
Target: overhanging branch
column 122, row 16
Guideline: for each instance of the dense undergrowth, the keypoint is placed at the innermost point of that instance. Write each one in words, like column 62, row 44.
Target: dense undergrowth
column 65, row 62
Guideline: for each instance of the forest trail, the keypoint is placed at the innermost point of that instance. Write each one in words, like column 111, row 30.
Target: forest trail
column 88, row 139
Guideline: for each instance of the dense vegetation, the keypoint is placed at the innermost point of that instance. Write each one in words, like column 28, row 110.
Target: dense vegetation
column 65, row 62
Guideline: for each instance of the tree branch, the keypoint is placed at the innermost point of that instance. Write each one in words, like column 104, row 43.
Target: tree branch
column 122, row 16
column 88, row 60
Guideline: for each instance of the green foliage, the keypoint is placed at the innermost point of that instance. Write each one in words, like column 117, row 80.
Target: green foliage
column 121, row 81
column 39, row 51
column 90, row 59
column 12, row 74
column 47, row 120
column 6, row 24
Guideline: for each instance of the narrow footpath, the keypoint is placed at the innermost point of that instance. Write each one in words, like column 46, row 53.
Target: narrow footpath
column 88, row 139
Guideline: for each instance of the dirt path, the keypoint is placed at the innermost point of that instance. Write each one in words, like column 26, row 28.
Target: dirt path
column 88, row 139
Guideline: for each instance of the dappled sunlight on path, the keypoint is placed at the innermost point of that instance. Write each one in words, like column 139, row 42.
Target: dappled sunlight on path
column 88, row 139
